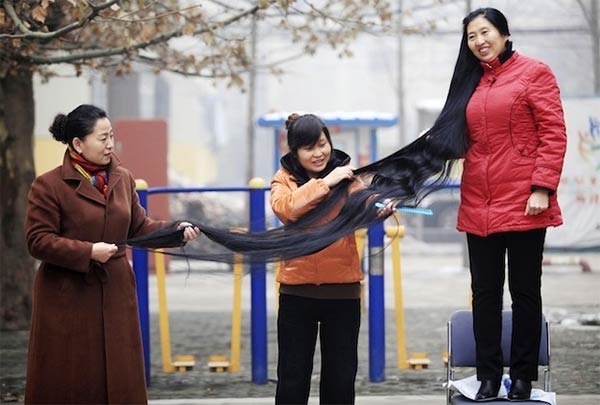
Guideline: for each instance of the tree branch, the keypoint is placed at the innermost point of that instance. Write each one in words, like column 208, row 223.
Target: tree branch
column 141, row 20
column 266, row 66
column 225, row 6
column 10, row 10
column 28, row 34
column 45, row 60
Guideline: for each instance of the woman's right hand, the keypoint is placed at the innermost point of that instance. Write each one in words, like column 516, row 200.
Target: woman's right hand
column 338, row 174
column 101, row 251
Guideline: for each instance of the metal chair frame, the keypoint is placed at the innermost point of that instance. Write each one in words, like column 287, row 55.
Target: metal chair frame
column 466, row 358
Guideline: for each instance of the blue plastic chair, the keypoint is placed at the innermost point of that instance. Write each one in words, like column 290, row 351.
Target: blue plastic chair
column 461, row 352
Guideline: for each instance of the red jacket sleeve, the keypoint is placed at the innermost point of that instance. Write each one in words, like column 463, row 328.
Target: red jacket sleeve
column 543, row 96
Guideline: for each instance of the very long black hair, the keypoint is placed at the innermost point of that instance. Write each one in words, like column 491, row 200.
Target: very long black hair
column 405, row 176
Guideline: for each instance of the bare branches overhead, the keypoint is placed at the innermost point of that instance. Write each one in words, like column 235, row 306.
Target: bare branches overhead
column 202, row 38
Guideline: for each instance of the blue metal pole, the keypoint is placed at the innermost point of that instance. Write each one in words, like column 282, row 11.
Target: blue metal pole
column 258, row 283
column 140, row 269
column 376, row 304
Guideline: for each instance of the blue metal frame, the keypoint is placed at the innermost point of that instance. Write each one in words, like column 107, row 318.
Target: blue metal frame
column 372, row 121
column 376, row 304
column 258, row 286
column 277, row 120
column 140, row 269
column 259, row 304
column 258, row 283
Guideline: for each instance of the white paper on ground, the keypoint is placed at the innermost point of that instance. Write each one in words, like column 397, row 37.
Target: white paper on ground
column 469, row 386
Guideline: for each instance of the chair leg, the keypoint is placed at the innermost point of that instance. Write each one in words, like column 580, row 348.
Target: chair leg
column 449, row 377
column 449, row 372
column 547, row 380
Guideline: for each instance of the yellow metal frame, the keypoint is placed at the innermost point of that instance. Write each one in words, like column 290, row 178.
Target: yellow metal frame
column 181, row 362
column 236, row 314
column 396, row 233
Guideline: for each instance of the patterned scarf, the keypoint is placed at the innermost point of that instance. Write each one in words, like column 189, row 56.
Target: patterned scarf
column 97, row 175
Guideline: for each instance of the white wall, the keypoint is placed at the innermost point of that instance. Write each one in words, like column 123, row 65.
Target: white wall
column 59, row 94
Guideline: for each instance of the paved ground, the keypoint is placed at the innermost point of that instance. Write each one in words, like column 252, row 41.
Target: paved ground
column 364, row 400
column 434, row 285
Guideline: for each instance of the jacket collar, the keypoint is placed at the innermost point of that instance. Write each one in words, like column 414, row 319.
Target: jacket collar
column 291, row 164
column 500, row 64
column 85, row 188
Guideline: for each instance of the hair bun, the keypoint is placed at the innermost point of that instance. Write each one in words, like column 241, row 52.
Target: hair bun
column 290, row 120
column 58, row 128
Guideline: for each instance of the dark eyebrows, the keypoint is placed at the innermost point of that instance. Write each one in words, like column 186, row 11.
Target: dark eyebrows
column 104, row 133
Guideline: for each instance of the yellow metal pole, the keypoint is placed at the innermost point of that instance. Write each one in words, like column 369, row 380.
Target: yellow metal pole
column 360, row 235
column 396, row 233
column 236, row 315
column 163, row 314
column 277, row 270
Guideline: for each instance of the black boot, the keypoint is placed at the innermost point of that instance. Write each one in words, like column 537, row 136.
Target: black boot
column 520, row 390
column 488, row 390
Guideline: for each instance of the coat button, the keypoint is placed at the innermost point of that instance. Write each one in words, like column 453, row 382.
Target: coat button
column 551, row 216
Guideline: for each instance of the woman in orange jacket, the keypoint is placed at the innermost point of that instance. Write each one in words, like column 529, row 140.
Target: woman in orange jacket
column 320, row 292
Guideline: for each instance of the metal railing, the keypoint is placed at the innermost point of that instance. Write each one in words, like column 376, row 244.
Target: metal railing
column 257, row 219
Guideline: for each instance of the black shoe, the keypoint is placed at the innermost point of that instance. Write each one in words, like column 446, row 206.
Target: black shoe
column 488, row 390
column 520, row 390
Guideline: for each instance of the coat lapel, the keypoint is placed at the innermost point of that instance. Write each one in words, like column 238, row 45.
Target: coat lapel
column 114, row 176
column 85, row 188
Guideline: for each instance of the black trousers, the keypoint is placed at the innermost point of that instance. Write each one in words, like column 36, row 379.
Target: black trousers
column 338, row 322
column 487, row 263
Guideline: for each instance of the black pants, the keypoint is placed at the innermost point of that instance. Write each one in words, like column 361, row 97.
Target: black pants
column 487, row 259
column 338, row 323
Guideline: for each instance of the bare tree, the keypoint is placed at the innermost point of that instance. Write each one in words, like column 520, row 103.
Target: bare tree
column 197, row 38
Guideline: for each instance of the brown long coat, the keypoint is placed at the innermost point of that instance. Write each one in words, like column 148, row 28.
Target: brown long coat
column 85, row 344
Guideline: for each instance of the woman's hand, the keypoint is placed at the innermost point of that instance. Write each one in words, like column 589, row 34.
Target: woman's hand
column 190, row 232
column 388, row 210
column 338, row 174
column 101, row 251
column 537, row 202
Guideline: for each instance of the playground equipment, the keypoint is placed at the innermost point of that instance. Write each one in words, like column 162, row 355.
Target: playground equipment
column 258, row 311
column 353, row 132
column 181, row 362
column 221, row 363
column 396, row 233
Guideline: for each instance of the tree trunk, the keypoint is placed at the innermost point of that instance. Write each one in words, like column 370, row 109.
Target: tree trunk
column 16, row 174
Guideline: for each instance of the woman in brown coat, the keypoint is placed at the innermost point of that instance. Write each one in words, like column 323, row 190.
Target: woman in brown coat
column 85, row 345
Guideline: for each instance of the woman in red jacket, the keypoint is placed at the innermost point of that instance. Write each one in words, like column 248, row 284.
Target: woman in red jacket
column 516, row 141
column 320, row 292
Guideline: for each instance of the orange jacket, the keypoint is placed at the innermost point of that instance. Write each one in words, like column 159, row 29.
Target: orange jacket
column 337, row 263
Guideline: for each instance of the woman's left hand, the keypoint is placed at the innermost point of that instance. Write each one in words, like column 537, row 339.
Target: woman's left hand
column 537, row 202
column 388, row 210
column 190, row 232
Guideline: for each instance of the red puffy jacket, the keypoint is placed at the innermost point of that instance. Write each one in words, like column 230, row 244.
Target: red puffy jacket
column 517, row 143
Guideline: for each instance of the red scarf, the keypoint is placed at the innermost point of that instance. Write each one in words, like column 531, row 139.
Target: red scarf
column 97, row 175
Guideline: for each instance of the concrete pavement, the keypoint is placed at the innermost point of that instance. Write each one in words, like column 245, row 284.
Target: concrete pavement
column 364, row 400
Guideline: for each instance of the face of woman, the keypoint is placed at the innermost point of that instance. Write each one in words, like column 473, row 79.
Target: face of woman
column 97, row 147
column 314, row 158
column 484, row 40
